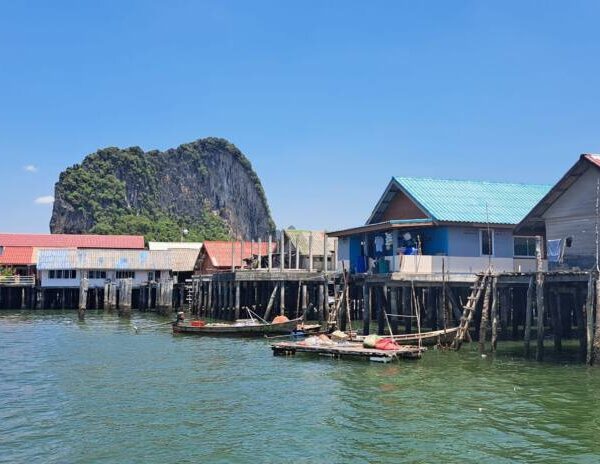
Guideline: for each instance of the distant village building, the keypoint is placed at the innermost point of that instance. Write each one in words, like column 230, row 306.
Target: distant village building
column 19, row 251
column 174, row 245
column 221, row 256
column 302, row 242
column 567, row 216
column 422, row 225
column 184, row 257
column 64, row 268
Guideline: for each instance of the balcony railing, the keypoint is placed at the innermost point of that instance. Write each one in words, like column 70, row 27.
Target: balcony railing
column 17, row 281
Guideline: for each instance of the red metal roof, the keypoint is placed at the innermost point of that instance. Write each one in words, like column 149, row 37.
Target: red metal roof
column 17, row 256
column 72, row 241
column 219, row 253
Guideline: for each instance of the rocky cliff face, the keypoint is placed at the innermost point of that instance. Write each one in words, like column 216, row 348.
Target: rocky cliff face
column 207, row 186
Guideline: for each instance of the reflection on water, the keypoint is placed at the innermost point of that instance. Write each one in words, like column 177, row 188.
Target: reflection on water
column 95, row 391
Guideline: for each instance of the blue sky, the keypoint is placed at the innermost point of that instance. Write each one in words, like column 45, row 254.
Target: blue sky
column 327, row 99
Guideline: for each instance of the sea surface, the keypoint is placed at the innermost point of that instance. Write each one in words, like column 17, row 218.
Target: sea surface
column 99, row 391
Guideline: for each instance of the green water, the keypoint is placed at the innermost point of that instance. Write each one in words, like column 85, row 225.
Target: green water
column 97, row 392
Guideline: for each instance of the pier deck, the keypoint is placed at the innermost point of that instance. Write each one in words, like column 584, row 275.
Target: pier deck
column 348, row 349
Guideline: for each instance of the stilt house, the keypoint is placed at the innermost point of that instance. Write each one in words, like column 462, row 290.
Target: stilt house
column 430, row 226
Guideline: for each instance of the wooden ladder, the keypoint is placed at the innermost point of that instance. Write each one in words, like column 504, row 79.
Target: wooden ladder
column 469, row 309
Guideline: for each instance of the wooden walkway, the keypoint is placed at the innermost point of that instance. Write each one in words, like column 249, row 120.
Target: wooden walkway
column 347, row 349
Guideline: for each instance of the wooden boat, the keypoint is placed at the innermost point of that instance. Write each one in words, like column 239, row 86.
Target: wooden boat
column 443, row 337
column 239, row 328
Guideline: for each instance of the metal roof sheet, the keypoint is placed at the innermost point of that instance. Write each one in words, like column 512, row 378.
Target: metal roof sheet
column 183, row 260
column 174, row 245
column 103, row 259
column 301, row 238
column 73, row 241
column 473, row 201
column 219, row 252
column 17, row 256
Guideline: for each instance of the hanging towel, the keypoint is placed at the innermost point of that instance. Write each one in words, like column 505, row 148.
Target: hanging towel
column 554, row 250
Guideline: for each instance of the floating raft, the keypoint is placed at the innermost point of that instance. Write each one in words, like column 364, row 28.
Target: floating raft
column 347, row 349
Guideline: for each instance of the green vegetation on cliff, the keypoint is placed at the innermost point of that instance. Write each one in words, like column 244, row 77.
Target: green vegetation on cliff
column 154, row 194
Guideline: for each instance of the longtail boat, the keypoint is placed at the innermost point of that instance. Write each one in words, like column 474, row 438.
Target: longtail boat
column 239, row 328
column 436, row 337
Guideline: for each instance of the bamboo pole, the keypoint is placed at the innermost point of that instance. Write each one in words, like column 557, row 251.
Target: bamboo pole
column 282, row 252
column 324, row 252
column 260, row 253
column 270, row 251
column 310, row 251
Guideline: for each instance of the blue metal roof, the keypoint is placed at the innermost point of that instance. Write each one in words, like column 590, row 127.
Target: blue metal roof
column 473, row 201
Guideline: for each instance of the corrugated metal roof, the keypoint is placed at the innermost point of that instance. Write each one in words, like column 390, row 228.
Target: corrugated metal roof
column 73, row 241
column 103, row 259
column 301, row 239
column 174, row 245
column 219, row 252
column 473, row 201
column 17, row 256
column 183, row 260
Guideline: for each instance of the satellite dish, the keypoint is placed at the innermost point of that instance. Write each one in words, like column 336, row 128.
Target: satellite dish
column 407, row 236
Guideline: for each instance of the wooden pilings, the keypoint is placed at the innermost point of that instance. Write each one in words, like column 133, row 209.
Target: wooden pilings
column 529, row 316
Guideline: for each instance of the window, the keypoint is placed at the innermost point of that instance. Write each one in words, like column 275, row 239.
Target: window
column 62, row 274
column 97, row 275
column 125, row 275
column 487, row 242
column 524, row 247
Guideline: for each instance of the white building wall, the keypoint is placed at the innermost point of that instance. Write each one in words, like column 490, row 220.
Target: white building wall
column 141, row 277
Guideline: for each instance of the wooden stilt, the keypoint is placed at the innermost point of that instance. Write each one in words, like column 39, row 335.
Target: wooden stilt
column 381, row 309
column 282, row 298
column 596, row 343
column 83, row 293
column 485, row 315
column 366, row 309
column 394, row 310
column 589, row 316
column 529, row 316
column 494, row 313
column 540, row 305
column 504, row 312
column 579, row 308
column 271, row 302
column 237, row 300
column 557, row 321
column 407, row 309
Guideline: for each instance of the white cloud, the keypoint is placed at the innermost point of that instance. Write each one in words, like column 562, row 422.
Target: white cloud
column 45, row 200
column 30, row 168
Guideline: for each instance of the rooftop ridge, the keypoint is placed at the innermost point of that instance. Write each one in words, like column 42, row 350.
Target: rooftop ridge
column 471, row 181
